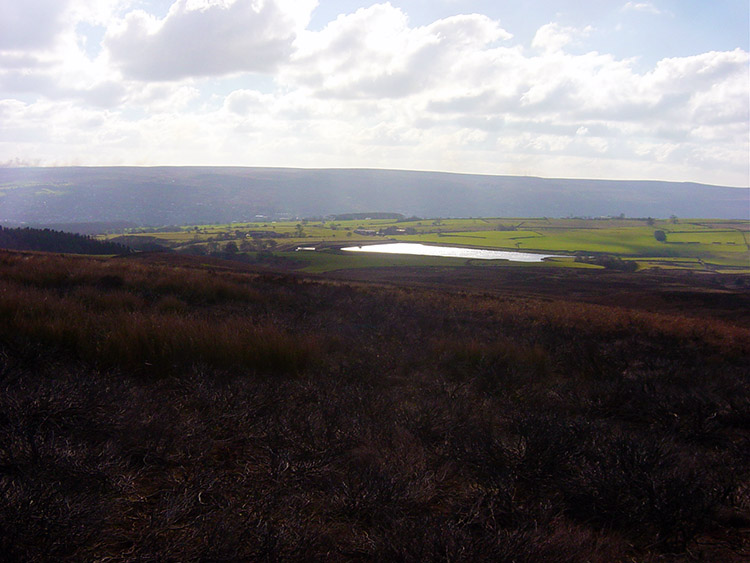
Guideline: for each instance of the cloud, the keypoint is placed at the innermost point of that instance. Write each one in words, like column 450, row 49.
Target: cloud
column 535, row 104
column 65, row 73
column 553, row 37
column 162, row 97
column 31, row 24
column 369, row 89
column 646, row 7
column 55, row 66
column 38, row 25
column 491, row 103
column 207, row 38
column 243, row 102
column 374, row 52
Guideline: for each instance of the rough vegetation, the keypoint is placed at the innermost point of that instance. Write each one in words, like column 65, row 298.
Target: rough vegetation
column 193, row 409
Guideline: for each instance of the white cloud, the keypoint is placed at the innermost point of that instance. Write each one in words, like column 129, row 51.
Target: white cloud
column 163, row 97
column 30, row 24
column 207, row 38
column 369, row 89
column 56, row 68
column 242, row 102
column 374, row 52
column 553, row 37
column 38, row 25
column 646, row 7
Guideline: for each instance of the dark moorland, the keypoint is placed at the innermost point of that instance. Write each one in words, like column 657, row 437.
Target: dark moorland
column 160, row 407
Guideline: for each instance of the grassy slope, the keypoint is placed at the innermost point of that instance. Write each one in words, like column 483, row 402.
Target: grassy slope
column 186, row 411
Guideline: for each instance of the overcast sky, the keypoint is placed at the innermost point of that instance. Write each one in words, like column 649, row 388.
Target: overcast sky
column 585, row 89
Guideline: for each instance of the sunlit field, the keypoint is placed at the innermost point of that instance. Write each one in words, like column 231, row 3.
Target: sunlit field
column 694, row 244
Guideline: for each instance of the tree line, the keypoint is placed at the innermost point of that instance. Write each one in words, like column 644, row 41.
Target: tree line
column 27, row 238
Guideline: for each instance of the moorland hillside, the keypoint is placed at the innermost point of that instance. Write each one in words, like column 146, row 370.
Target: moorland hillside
column 161, row 407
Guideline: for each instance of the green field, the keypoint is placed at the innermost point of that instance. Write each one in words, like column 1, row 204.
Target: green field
column 693, row 244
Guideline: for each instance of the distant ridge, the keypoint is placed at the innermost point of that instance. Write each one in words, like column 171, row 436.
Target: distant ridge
column 159, row 196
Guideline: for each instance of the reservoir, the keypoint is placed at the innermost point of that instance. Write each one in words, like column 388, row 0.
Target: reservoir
column 449, row 252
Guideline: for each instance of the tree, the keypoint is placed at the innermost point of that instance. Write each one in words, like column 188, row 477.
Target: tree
column 650, row 221
column 231, row 247
column 299, row 231
column 661, row 236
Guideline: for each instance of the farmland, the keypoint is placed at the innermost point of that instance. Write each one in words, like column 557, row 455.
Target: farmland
column 697, row 245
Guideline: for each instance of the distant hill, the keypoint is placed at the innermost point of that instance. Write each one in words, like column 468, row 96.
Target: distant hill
column 184, row 195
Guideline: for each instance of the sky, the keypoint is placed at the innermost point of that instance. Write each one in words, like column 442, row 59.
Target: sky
column 617, row 89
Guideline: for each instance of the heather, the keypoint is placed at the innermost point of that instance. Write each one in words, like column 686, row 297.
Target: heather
column 199, row 410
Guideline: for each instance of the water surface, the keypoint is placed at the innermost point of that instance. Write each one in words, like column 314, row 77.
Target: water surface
column 449, row 251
